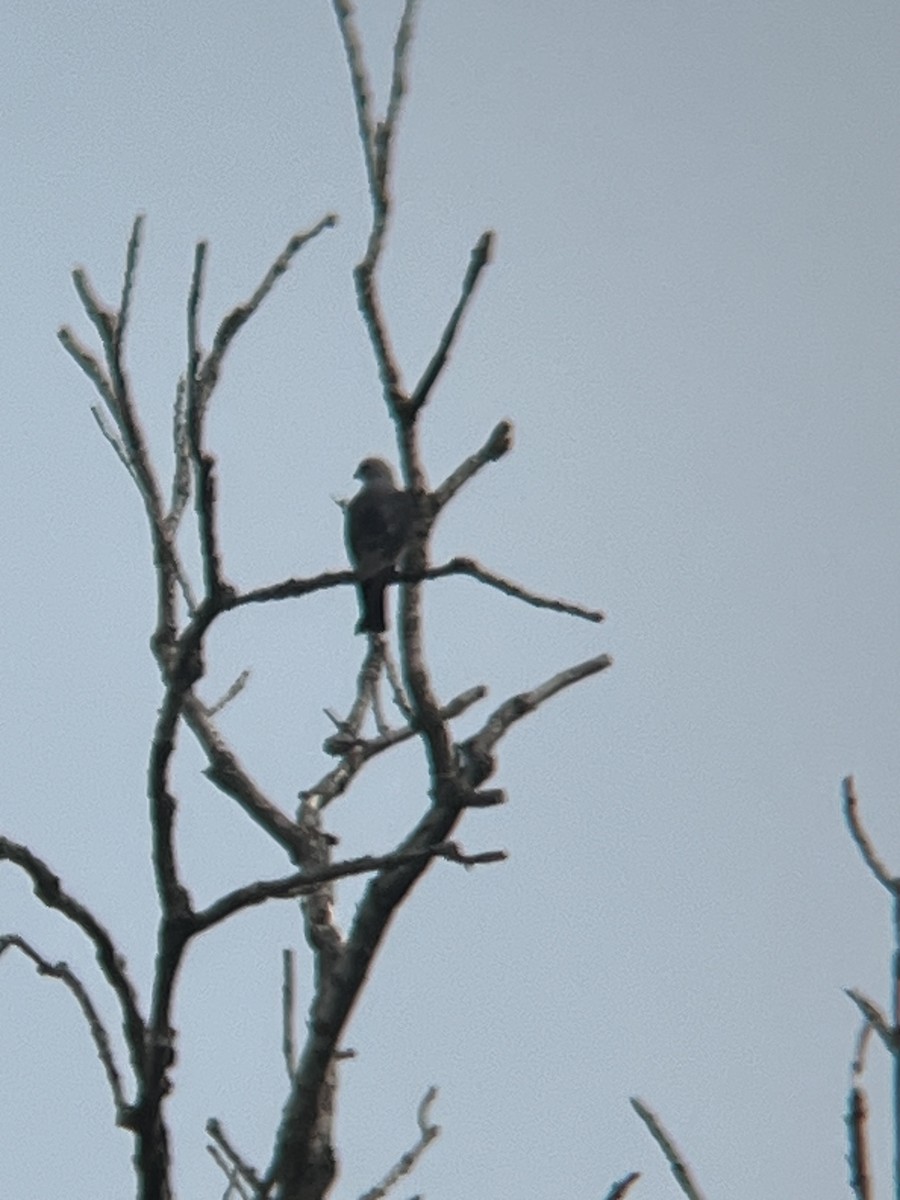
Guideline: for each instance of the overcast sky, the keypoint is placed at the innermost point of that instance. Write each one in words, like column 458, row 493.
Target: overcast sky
column 693, row 319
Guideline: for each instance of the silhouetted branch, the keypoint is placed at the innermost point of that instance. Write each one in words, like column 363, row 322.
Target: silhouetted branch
column 376, row 139
column 362, row 92
column 356, row 752
column 68, row 977
column 50, row 891
column 290, row 589
column 875, row 1017
column 204, row 464
column 227, row 773
column 858, row 1150
column 235, row 1187
column 618, row 1190
column 403, row 1166
column 290, row 886
column 131, row 258
column 181, row 476
column 476, row 752
column 235, row 690
column 384, row 130
column 113, row 438
column 866, row 849
column 480, row 257
column 288, row 1007
column 498, row 443
column 217, row 1133
column 468, row 566
column 233, row 321
column 95, row 373
column 679, row 1167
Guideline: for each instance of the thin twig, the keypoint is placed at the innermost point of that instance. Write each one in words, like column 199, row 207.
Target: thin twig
column 480, row 257
column 89, row 364
column 236, row 688
column 858, row 1149
column 229, row 775
column 356, row 752
column 113, row 438
column 875, row 1017
column 204, row 464
column 99, row 315
column 361, row 88
column 102, row 1043
column 290, row 589
column 407, row 1161
column 301, row 882
column 49, row 891
column 859, row 835
column 131, row 258
column 679, row 1167
column 399, row 694
column 234, row 1187
column 618, row 1190
column 217, row 1133
column 231, row 324
column 476, row 752
column 288, row 1005
column 384, row 131
column 468, row 566
column 499, row 442
column 181, row 476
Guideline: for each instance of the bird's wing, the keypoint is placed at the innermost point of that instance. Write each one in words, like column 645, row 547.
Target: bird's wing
column 377, row 528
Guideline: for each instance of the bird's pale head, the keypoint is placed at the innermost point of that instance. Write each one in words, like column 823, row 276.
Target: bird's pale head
column 374, row 470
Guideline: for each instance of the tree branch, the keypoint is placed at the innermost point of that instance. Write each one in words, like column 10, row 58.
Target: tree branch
column 357, row 752
column 234, row 321
column 288, row 1010
column 304, row 882
column 618, row 1190
column 679, row 1167
column 858, row 1149
column 498, row 443
column 63, row 973
column 859, row 835
column 131, row 259
column 50, row 891
column 243, row 1168
column 468, row 566
column 480, row 257
column 406, row 1163
column 227, row 773
column 875, row 1017
column 476, row 752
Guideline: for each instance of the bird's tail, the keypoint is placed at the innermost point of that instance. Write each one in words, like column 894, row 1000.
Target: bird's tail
column 371, row 604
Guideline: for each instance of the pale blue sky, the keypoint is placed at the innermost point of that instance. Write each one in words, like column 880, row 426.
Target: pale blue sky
column 693, row 319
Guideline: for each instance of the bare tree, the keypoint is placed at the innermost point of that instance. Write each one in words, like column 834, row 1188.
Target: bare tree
column 303, row 1160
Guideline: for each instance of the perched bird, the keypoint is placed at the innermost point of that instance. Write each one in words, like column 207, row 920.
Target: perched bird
column 378, row 525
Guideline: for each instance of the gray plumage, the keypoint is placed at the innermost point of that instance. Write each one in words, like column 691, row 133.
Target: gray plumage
column 378, row 525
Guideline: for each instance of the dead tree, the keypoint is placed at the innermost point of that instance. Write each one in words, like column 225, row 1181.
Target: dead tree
column 303, row 1160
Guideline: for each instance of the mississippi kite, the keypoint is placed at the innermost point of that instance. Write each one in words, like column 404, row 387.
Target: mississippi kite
column 378, row 525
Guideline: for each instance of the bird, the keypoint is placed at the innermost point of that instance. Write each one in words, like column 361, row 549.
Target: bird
column 378, row 524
